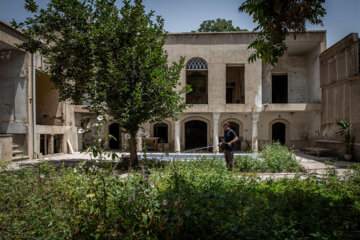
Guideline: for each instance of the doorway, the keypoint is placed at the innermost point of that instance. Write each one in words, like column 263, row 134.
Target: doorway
column 279, row 133
column 195, row 134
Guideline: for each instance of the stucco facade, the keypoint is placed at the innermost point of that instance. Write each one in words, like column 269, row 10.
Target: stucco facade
column 256, row 115
column 22, row 85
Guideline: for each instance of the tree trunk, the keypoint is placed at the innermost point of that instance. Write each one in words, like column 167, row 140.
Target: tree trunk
column 133, row 153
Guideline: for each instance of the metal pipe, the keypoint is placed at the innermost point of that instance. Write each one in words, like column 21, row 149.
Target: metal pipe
column 34, row 102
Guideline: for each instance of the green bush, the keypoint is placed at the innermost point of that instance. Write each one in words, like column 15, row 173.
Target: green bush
column 181, row 200
column 273, row 158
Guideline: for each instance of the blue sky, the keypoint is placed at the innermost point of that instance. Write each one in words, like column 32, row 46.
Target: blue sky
column 343, row 16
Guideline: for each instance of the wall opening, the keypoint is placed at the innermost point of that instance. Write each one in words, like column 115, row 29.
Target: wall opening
column 235, row 84
column 279, row 132
column 279, row 88
column 58, row 141
column 195, row 134
column 49, row 110
column 114, row 130
column 161, row 131
column 51, row 144
column 197, row 78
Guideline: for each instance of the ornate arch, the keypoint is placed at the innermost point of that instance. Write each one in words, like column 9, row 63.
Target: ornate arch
column 196, row 64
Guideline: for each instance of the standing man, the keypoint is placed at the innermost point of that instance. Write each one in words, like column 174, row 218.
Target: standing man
column 227, row 145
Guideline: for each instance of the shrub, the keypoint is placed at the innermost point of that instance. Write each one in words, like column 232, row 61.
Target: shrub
column 273, row 158
column 181, row 200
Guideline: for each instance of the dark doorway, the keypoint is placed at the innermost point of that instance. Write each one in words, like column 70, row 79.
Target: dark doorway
column 234, row 126
column 279, row 132
column 279, row 89
column 161, row 131
column 114, row 130
column 195, row 134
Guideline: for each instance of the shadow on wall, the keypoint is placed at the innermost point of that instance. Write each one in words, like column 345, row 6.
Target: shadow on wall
column 13, row 92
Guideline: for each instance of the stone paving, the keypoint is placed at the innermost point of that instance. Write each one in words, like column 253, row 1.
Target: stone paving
column 313, row 165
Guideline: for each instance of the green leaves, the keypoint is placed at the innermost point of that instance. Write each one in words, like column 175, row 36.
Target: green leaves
column 109, row 57
column 275, row 20
column 218, row 25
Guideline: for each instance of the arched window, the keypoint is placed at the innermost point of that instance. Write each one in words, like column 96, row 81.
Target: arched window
column 196, row 77
column 196, row 64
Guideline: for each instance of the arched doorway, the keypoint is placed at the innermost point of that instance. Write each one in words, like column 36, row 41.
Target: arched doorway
column 234, row 126
column 161, row 131
column 279, row 132
column 114, row 130
column 195, row 134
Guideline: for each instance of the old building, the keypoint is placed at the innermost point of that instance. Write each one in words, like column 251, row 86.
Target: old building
column 297, row 102
column 28, row 129
column 263, row 103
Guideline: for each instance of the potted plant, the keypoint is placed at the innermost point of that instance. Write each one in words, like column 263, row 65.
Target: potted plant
column 345, row 130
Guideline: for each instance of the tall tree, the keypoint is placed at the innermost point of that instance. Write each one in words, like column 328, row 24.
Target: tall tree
column 218, row 25
column 110, row 57
column 275, row 19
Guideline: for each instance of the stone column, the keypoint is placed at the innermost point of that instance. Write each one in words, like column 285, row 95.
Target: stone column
column 177, row 137
column 51, row 144
column 216, row 117
column 254, row 140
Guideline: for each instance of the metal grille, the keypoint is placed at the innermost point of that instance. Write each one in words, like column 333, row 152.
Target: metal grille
column 196, row 64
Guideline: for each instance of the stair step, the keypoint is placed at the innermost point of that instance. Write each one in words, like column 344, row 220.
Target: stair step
column 17, row 152
column 15, row 146
column 19, row 158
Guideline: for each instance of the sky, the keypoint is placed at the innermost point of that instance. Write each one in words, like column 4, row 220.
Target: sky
column 342, row 18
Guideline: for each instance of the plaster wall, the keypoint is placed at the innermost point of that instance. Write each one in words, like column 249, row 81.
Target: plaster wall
column 296, row 69
column 340, row 82
column 13, row 93
column 218, row 51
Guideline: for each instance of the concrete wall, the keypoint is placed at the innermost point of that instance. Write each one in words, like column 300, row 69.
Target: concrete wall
column 13, row 93
column 6, row 148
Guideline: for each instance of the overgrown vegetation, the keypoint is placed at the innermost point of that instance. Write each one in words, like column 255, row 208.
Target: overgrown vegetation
column 273, row 158
column 181, row 200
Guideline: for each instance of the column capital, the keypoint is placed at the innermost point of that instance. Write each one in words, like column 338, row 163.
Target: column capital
column 216, row 116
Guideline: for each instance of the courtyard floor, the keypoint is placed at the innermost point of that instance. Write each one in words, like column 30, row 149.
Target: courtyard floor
column 313, row 165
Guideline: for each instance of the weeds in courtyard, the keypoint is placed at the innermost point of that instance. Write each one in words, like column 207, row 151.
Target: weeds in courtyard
column 272, row 158
column 181, row 200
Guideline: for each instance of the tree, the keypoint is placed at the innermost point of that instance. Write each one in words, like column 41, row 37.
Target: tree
column 275, row 19
column 218, row 25
column 111, row 57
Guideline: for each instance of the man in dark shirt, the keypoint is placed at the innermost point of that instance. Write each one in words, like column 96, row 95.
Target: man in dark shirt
column 228, row 145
